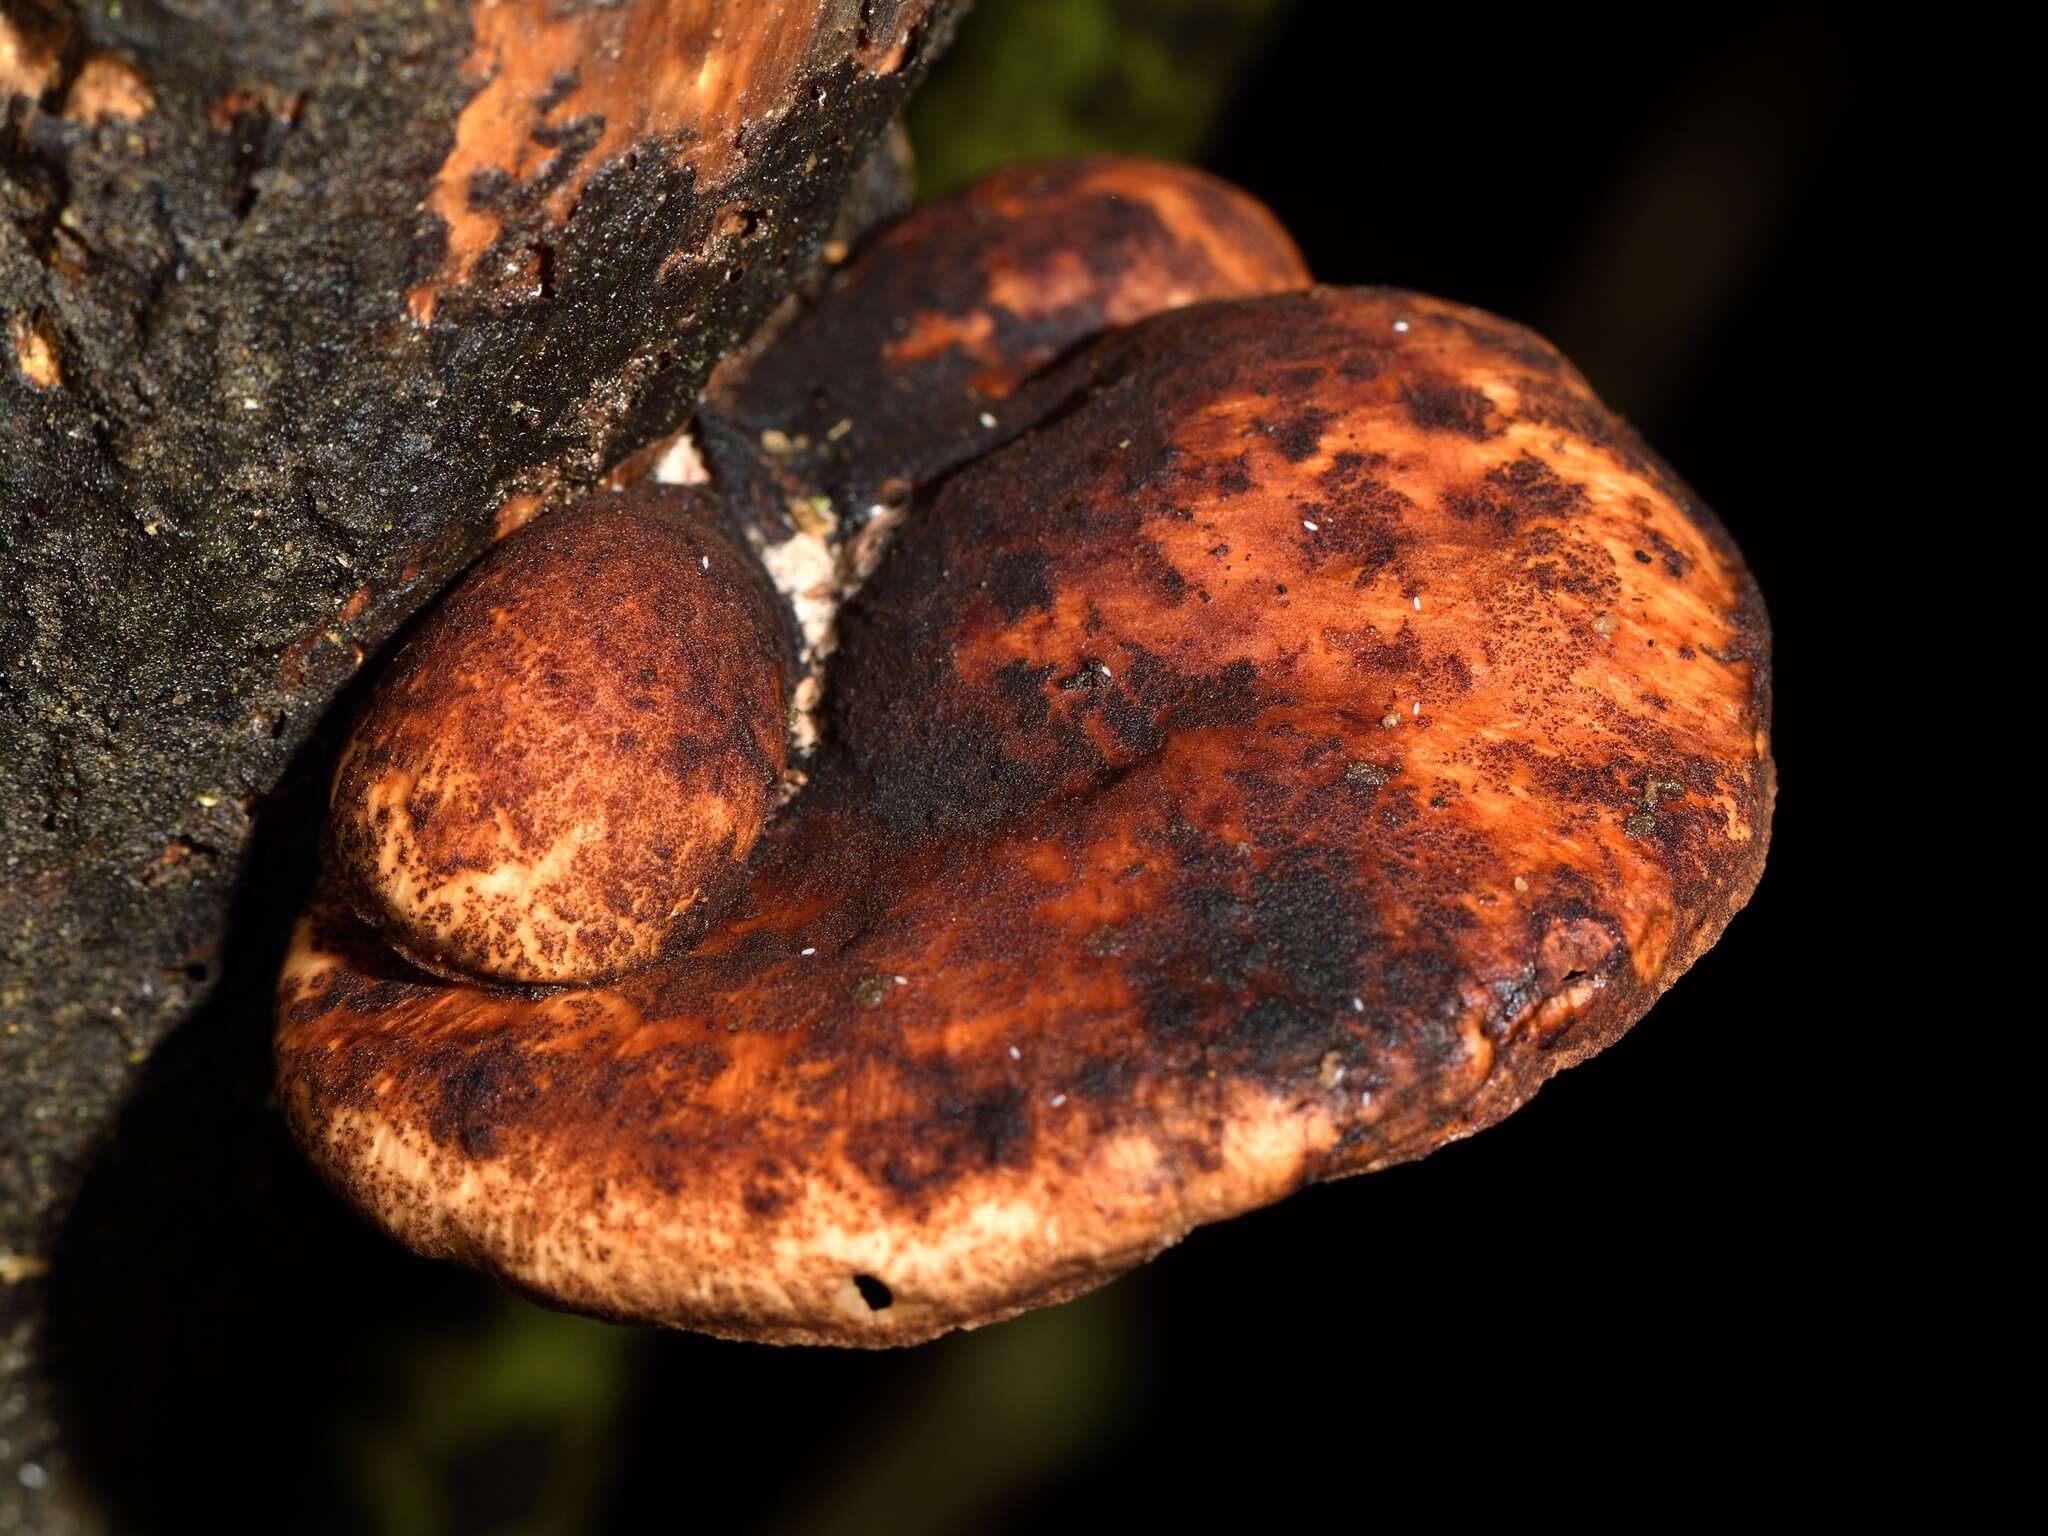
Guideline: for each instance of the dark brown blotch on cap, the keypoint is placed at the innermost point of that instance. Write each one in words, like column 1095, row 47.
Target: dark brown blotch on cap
column 906, row 367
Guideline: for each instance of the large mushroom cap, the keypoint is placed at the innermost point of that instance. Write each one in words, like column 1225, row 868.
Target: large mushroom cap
column 1277, row 764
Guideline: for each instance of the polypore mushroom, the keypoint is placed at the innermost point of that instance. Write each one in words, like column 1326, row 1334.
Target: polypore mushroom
column 564, row 770
column 1324, row 727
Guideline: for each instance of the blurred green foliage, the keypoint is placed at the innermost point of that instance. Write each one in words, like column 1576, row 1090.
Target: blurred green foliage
column 512, row 1424
column 504, row 1429
column 997, row 1412
column 1030, row 79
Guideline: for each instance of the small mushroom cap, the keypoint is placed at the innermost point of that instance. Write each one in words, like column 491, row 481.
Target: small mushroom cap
column 1277, row 765
column 900, row 371
column 563, row 771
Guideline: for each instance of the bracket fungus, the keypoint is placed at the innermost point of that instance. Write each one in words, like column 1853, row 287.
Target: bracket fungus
column 1309, row 723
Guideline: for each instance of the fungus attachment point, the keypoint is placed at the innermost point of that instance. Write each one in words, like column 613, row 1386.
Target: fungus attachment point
column 564, row 770
column 924, row 353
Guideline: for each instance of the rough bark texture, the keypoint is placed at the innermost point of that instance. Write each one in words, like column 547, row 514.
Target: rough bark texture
column 297, row 303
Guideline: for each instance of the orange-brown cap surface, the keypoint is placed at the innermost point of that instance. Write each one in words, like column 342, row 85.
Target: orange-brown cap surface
column 565, row 768
column 1274, row 766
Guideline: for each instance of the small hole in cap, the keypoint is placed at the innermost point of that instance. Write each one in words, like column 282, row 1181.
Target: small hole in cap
column 873, row 1292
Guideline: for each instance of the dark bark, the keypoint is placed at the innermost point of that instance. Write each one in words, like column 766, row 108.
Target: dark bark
column 298, row 301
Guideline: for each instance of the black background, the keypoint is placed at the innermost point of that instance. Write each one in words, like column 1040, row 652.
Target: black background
column 1653, row 1265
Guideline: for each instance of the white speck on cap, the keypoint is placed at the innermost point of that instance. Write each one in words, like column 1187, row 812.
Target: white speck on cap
column 1058, row 1100
column 1418, row 602
column 1311, row 527
column 704, row 561
column 808, row 949
column 1358, row 1005
column 902, row 981
column 1015, row 1054
column 987, row 420
column 1400, row 325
